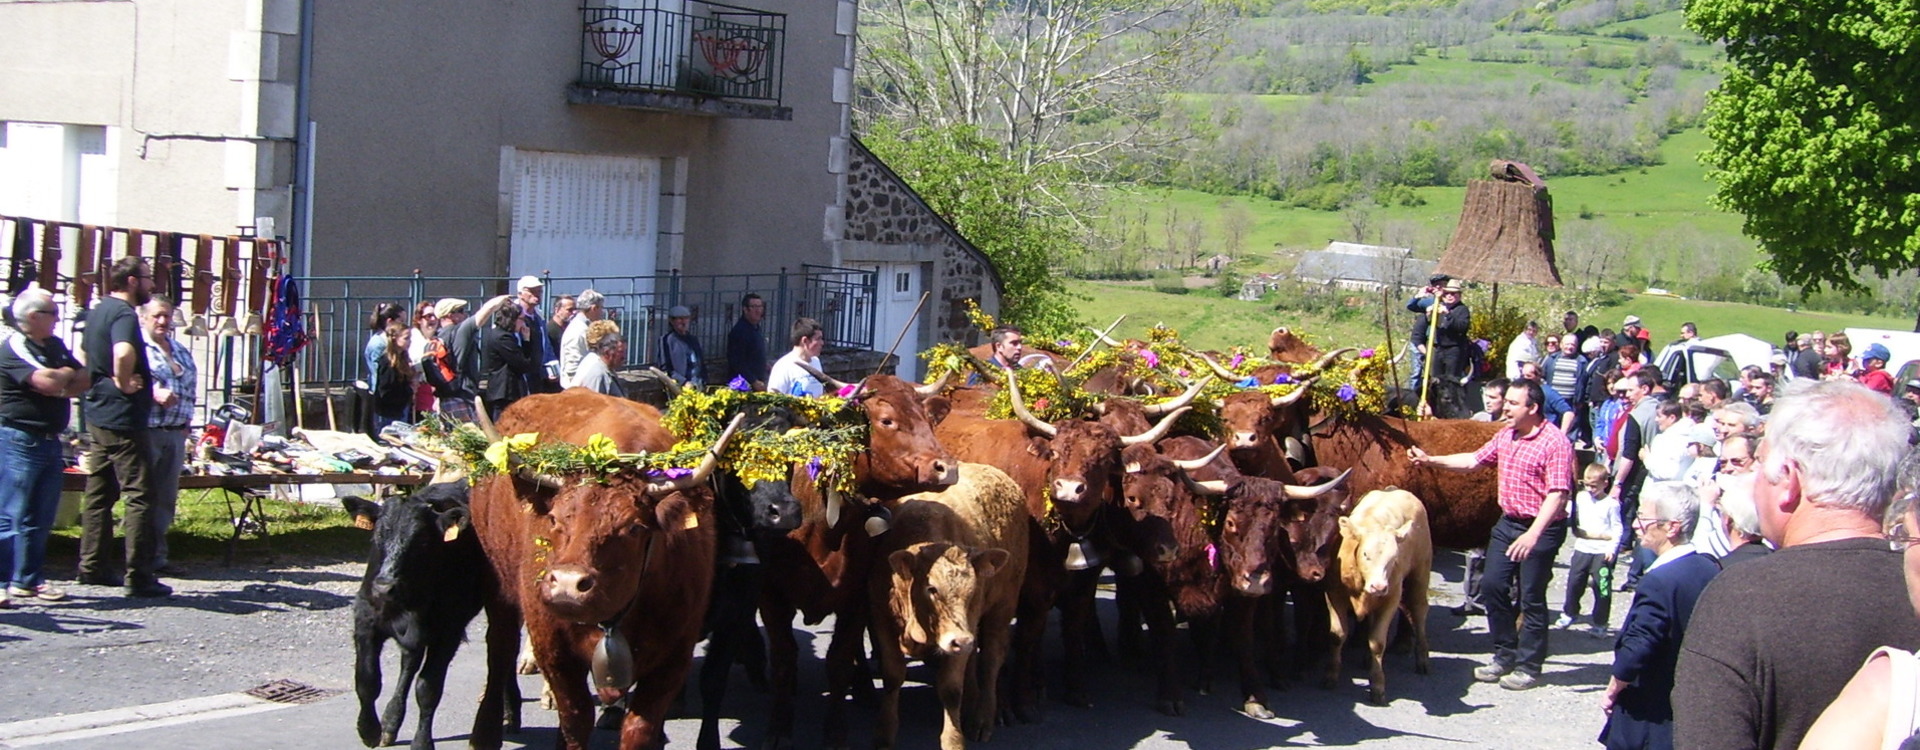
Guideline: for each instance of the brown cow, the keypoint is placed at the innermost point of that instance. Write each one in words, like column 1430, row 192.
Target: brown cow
column 944, row 589
column 1212, row 581
column 577, row 558
column 1284, row 346
column 1259, row 425
column 1461, row 507
column 1065, row 470
column 1386, row 556
column 820, row 569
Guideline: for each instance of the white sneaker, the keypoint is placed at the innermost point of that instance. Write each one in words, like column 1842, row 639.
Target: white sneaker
column 1563, row 623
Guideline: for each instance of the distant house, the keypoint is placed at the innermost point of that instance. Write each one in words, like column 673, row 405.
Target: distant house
column 1362, row 268
column 1257, row 286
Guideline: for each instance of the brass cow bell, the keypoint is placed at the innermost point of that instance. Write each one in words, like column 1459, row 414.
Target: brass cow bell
column 1081, row 556
column 612, row 667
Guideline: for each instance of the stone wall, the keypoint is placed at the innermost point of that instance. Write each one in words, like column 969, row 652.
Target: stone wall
column 883, row 210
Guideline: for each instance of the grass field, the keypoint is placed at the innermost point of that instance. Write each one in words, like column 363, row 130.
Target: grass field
column 201, row 531
column 1208, row 321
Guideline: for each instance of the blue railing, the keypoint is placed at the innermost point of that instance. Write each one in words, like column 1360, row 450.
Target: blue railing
column 842, row 299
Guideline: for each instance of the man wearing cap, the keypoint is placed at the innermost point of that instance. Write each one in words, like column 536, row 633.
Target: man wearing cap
column 573, row 341
column 1452, row 360
column 1418, row 305
column 536, row 345
column 441, row 369
column 1875, row 375
column 679, row 351
column 1631, row 328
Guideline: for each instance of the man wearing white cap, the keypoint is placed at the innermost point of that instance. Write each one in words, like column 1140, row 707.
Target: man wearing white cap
column 679, row 351
column 539, row 348
column 592, row 306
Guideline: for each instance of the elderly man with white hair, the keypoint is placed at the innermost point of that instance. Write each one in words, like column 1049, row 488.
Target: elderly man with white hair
column 38, row 376
column 1773, row 640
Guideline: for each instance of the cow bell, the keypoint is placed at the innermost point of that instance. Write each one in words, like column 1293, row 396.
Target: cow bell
column 738, row 551
column 1081, row 556
column 879, row 522
column 834, row 503
column 612, row 667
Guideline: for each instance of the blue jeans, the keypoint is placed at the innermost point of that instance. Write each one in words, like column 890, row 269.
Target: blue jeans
column 30, row 467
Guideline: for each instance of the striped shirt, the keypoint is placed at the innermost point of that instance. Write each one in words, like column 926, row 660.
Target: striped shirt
column 185, row 383
column 1531, row 466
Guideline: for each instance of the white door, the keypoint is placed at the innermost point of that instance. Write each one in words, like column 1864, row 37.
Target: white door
column 584, row 215
column 898, row 291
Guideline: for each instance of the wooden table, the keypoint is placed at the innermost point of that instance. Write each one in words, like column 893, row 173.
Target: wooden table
column 250, row 514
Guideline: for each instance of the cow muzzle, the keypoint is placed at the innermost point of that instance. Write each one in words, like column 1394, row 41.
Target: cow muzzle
column 1069, row 491
column 567, row 585
column 942, row 472
column 956, row 644
column 1243, row 440
column 1254, row 584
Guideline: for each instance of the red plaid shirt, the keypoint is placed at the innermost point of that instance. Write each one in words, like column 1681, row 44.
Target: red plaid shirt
column 1530, row 467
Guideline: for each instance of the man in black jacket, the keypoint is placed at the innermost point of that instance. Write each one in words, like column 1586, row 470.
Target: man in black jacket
column 1452, row 363
column 504, row 360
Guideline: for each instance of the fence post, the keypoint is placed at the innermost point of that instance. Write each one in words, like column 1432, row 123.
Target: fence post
column 417, row 290
column 785, row 321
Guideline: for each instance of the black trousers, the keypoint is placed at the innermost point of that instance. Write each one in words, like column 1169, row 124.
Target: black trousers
column 118, row 467
column 1589, row 568
column 1526, row 649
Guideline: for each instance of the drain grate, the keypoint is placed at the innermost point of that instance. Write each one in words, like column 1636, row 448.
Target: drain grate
column 288, row 691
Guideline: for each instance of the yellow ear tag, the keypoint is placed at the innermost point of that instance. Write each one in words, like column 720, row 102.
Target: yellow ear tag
column 453, row 532
column 692, row 521
column 363, row 522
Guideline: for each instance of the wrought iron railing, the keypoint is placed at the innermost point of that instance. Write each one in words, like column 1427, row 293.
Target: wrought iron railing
column 842, row 299
column 685, row 47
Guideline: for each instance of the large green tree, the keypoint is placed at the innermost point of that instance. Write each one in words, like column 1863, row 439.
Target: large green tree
column 1814, row 132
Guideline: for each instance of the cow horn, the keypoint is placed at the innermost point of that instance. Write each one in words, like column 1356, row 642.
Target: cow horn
column 1179, row 402
column 1195, row 464
column 1208, row 487
column 1217, row 368
column 547, row 481
column 934, row 388
column 1289, row 399
column 1159, row 429
column 1299, row 492
column 666, row 381
column 1329, row 357
column 1104, row 338
column 1020, row 408
column 707, row 465
column 486, row 422
column 822, row 377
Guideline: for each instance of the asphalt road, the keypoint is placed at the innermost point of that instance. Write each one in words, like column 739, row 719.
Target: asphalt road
column 71, row 668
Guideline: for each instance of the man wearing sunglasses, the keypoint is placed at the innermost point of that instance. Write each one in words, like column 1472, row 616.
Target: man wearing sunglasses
column 1774, row 639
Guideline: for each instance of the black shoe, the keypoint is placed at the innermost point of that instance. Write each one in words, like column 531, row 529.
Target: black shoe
column 149, row 590
column 99, row 579
column 171, row 571
column 1469, row 610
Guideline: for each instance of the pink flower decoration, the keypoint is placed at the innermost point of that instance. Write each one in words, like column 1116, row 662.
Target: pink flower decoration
column 848, row 390
column 1366, row 354
column 1153, row 360
column 1235, row 362
column 1213, row 556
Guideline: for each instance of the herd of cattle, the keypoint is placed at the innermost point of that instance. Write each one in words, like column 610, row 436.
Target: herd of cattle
column 964, row 535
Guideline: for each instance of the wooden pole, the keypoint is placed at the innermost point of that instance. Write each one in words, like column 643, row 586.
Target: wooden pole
column 1426, row 377
column 903, row 331
column 1386, row 327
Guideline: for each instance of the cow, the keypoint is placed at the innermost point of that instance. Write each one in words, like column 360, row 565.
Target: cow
column 1214, row 580
column 1386, row 556
column 611, row 574
column 1065, row 470
column 426, row 578
column 1262, row 428
column 1284, row 346
column 820, row 568
column 1462, row 507
column 944, row 588
column 749, row 520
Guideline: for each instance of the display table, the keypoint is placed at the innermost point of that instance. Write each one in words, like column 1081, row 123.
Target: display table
column 250, row 515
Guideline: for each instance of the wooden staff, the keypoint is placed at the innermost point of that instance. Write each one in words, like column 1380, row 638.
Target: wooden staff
column 903, row 332
column 1433, row 334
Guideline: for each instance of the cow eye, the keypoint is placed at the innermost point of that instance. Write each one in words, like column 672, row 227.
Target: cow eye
column 932, row 591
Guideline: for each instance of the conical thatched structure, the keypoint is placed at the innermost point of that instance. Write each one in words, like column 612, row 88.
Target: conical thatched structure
column 1505, row 233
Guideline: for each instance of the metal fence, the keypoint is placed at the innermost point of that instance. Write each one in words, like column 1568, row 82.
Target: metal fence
column 842, row 299
column 687, row 47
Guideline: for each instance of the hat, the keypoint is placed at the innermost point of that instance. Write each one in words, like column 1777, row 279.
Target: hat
column 1452, row 285
column 448, row 306
column 1625, row 384
column 1876, row 351
column 1438, row 279
column 1914, row 384
column 1778, row 359
column 528, row 282
column 679, row 311
column 1632, row 320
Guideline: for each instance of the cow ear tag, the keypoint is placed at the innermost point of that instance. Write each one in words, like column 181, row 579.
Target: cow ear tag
column 363, row 522
column 452, row 533
column 691, row 521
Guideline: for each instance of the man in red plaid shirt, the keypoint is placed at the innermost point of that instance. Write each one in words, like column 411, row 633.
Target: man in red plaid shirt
column 1536, row 477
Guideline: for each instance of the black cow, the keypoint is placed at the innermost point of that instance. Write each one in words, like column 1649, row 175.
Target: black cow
column 426, row 578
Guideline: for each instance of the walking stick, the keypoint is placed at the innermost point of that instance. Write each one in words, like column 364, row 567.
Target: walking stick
column 1426, row 374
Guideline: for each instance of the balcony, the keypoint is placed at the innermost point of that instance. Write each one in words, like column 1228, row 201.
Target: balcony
column 683, row 56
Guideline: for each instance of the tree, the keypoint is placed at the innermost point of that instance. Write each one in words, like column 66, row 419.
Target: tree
column 989, row 198
column 1814, row 133
column 1051, row 81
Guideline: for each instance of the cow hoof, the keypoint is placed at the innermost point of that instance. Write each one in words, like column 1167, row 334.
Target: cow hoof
column 388, row 738
column 1172, row 707
column 1254, row 709
column 370, row 734
column 1377, row 696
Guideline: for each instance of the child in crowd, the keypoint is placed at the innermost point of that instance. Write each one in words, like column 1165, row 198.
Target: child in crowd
column 1596, row 530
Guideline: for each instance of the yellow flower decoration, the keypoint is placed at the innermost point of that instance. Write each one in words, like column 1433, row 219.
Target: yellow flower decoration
column 497, row 452
column 601, row 448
